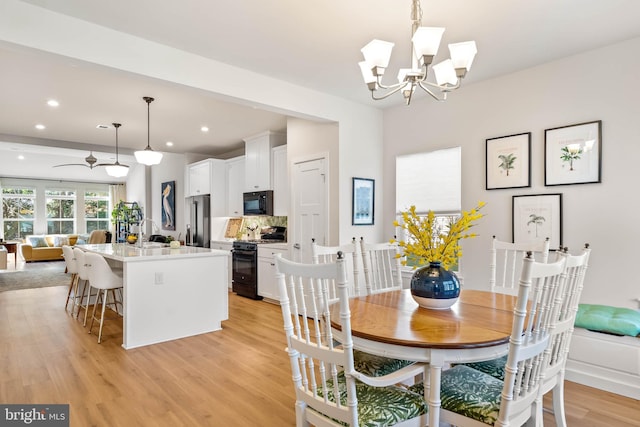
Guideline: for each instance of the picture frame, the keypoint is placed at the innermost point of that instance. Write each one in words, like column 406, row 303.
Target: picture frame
column 508, row 161
column 363, row 201
column 573, row 154
column 168, row 204
column 536, row 217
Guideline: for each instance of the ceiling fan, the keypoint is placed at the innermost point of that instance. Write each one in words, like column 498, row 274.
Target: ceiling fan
column 90, row 159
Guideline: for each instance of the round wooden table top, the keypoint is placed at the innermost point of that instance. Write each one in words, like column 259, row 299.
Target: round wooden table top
column 478, row 319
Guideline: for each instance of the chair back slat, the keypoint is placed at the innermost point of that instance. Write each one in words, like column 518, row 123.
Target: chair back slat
column 382, row 266
column 505, row 262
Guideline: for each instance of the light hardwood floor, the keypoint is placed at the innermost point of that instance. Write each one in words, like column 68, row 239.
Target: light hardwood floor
column 239, row 376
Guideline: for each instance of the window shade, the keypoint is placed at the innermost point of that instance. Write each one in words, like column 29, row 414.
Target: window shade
column 430, row 181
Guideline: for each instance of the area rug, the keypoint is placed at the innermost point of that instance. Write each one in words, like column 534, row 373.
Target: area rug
column 34, row 275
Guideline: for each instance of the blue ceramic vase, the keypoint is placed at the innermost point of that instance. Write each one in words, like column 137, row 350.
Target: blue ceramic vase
column 434, row 287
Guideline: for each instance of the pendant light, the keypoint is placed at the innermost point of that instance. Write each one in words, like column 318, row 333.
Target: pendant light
column 116, row 170
column 148, row 156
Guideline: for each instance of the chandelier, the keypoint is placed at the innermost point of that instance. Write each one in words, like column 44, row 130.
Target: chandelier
column 425, row 42
column 148, row 156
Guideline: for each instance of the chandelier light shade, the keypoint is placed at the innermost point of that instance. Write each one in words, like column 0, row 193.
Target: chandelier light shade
column 116, row 170
column 425, row 42
column 148, row 156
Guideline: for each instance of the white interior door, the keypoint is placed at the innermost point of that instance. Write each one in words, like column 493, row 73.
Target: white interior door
column 309, row 188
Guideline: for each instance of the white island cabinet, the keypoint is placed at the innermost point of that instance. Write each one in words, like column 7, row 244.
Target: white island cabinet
column 169, row 293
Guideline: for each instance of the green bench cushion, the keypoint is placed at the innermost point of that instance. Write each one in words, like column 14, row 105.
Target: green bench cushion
column 613, row 320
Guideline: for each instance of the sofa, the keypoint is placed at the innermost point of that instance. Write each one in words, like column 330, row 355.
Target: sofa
column 46, row 247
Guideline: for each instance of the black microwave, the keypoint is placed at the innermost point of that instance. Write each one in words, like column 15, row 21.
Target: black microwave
column 258, row 203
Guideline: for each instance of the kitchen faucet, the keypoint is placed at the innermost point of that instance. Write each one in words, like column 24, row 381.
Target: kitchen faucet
column 140, row 233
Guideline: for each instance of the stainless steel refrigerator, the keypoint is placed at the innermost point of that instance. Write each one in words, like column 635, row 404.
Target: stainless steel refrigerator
column 199, row 227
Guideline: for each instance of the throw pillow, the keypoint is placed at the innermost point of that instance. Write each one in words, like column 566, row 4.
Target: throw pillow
column 59, row 241
column 38, row 242
column 613, row 320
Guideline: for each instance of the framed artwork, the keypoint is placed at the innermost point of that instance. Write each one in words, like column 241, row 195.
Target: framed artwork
column 537, row 217
column 168, row 205
column 363, row 201
column 509, row 161
column 573, row 154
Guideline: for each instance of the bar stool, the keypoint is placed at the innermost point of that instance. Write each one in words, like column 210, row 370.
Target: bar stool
column 103, row 278
column 84, row 296
column 72, row 268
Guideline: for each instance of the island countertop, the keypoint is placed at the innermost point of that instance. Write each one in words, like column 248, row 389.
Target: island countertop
column 125, row 252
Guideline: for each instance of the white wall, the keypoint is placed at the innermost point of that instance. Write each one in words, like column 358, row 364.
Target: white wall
column 170, row 169
column 597, row 85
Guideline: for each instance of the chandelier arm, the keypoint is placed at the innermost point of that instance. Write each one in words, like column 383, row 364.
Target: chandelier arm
column 396, row 88
column 443, row 88
column 433, row 95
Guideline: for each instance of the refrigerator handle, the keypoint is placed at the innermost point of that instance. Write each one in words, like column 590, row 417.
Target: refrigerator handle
column 194, row 234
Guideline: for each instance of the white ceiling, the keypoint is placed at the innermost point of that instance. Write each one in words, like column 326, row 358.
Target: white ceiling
column 311, row 44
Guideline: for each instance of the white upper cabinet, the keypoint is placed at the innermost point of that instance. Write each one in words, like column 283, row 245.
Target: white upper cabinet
column 280, row 181
column 199, row 178
column 258, row 176
column 235, row 188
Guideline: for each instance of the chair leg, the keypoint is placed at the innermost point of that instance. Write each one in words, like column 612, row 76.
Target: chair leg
column 104, row 305
column 73, row 279
column 86, row 310
column 81, row 297
column 558, row 403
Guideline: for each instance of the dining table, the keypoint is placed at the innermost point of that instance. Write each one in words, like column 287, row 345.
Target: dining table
column 392, row 324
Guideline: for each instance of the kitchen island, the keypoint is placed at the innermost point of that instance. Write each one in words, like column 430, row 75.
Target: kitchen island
column 169, row 293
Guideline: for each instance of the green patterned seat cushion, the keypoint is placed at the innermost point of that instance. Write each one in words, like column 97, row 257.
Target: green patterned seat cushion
column 613, row 320
column 376, row 366
column 380, row 406
column 468, row 392
column 494, row 367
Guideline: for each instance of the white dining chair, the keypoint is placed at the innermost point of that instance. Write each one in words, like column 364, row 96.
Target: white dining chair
column 105, row 280
column 506, row 261
column 72, row 268
column 322, row 254
column 329, row 391
column 474, row 398
column 382, row 266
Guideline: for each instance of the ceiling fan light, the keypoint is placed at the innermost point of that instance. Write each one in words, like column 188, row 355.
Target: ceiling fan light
column 117, row 170
column 148, row 156
column 377, row 53
column 445, row 73
column 462, row 54
column 426, row 41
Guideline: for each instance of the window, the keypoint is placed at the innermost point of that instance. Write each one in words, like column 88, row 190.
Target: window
column 60, row 211
column 96, row 210
column 430, row 181
column 18, row 212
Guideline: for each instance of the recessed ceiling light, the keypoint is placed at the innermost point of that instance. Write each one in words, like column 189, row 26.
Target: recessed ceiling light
column 204, row 129
column 169, row 144
column 40, row 126
column 53, row 103
column 21, row 157
column 102, row 127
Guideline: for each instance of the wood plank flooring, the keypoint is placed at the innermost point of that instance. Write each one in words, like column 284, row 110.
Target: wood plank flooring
column 239, row 376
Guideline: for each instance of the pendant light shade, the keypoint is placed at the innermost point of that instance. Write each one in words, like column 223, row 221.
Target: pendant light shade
column 116, row 170
column 148, row 156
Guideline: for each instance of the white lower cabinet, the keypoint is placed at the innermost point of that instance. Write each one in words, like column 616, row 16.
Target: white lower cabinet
column 224, row 246
column 267, row 283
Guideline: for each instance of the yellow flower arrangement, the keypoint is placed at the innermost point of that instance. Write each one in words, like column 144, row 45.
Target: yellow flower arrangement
column 430, row 241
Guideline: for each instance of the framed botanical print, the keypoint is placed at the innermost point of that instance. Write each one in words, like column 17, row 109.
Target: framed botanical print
column 537, row 217
column 573, row 154
column 508, row 161
column 363, row 201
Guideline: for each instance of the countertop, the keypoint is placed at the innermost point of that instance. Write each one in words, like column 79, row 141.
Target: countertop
column 125, row 252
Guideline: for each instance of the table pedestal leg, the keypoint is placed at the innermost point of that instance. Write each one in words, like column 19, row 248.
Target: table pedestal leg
column 435, row 371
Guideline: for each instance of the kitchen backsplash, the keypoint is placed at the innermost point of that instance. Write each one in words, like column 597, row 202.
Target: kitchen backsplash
column 261, row 222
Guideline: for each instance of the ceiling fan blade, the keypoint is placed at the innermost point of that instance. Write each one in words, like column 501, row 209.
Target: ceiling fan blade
column 73, row 164
column 110, row 164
